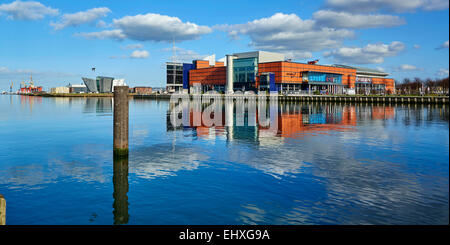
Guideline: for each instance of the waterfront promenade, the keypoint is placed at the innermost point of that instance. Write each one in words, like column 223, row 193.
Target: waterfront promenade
column 397, row 99
column 321, row 98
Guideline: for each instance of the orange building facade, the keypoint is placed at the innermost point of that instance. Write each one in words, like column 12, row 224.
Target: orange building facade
column 265, row 71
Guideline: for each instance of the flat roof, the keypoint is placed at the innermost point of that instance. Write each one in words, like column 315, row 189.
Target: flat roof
column 364, row 70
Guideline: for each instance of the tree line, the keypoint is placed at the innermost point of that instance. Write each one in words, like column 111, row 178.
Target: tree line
column 419, row 86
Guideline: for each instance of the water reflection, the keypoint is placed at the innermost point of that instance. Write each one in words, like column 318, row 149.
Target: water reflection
column 304, row 163
column 101, row 105
column 120, row 182
column 163, row 160
column 28, row 101
column 238, row 121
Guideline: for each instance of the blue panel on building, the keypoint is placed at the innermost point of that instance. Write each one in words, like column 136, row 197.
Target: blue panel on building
column 272, row 86
column 186, row 69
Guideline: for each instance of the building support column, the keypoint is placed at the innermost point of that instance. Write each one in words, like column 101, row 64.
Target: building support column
column 230, row 74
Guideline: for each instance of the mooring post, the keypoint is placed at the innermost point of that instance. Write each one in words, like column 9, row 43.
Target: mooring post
column 2, row 210
column 120, row 121
column 120, row 182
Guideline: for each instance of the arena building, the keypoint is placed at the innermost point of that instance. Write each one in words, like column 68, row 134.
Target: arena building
column 266, row 71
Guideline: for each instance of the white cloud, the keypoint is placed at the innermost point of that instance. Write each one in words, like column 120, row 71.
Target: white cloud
column 435, row 4
column 117, row 57
column 133, row 46
column 406, row 67
column 298, row 55
column 370, row 54
column 82, row 17
column 6, row 72
column 287, row 33
column 153, row 27
column 101, row 24
column 3, row 70
column 443, row 46
column 357, row 6
column 30, row 10
column 442, row 72
column 416, row 46
column 106, row 34
column 139, row 54
column 330, row 18
column 184, row 55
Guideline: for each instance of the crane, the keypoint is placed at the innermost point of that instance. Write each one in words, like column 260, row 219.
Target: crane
column 31, row 81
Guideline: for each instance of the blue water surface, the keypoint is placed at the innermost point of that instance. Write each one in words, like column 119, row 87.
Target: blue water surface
column 325, row 164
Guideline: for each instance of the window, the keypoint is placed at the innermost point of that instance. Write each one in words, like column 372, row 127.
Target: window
column 245, row 70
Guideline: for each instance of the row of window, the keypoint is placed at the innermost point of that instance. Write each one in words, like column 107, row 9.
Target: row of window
column 174, row 79
column 175, row 67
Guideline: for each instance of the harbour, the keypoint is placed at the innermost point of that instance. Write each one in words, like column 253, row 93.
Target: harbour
column 321, row 164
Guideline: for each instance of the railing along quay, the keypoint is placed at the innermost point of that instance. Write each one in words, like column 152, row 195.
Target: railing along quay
column 319, row 98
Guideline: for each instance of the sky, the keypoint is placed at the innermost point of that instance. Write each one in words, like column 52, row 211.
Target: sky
column 58, row 42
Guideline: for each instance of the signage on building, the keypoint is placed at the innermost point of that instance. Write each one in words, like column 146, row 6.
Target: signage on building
column 363, row 79
column 330, row 79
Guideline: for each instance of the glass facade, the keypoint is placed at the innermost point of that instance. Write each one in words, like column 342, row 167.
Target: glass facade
column 324, row 77
column 100, row 84
column 174, row 74
column 104, row 84
column 245, row 71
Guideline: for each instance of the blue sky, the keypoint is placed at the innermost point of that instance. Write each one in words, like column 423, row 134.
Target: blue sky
column 59, row 41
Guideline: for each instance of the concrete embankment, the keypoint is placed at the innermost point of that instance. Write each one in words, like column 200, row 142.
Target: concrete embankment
column 323, row 98
column 2, row 210
column 74, row 95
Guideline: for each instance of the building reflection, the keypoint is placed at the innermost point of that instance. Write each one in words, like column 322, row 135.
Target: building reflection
column 283, row 120
column 101, row 105
column 28, row 101
column 120, row 182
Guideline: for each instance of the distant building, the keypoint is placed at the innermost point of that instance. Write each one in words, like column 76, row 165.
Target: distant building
column 118, row 82
column 158, row 90
column 77, row 88
column 60, row 90
column 143, row 90
column 99, row 85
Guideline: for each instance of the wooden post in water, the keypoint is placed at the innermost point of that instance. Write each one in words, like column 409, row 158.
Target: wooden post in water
column 2, row 210
column 120, row 182
column 120, row 121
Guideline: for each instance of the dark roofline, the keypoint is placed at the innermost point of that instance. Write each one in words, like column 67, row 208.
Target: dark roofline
column 307, row 64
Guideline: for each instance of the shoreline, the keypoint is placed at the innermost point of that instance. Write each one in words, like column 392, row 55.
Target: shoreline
column 320, row 98
column 436, row 99
column 73, row 95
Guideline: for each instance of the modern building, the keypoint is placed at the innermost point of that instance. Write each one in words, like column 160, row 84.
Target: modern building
column 142, row 90
column 267, row 71
column 99, row 85
column 77, row 88
column 174, row 76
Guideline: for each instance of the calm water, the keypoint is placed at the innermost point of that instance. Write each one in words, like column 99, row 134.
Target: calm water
column 325, row 164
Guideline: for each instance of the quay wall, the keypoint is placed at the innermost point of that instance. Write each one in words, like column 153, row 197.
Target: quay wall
column 324, row 98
